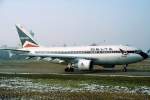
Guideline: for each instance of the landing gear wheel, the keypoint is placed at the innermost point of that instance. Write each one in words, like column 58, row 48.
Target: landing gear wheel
column 69, row 69
column 125, row 68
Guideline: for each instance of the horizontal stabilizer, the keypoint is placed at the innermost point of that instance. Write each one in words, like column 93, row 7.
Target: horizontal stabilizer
column 16, row 50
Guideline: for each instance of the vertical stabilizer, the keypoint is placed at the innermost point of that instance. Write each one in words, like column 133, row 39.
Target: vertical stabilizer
column 25, row 37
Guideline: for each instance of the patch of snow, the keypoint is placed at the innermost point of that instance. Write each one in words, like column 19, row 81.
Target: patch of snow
column 24, row 84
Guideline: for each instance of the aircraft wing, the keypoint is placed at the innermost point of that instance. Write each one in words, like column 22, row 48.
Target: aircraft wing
column 67, row 59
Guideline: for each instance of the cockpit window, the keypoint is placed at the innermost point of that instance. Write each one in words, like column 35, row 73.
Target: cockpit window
column 138, row 51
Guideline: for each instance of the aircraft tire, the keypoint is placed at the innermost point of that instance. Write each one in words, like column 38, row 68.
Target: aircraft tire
column 124, row 69
column 66, row 69
column 71, row 69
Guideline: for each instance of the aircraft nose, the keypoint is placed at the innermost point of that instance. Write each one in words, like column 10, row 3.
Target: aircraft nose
column 143, row 54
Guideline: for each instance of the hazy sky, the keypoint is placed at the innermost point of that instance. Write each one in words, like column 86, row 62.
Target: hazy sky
column 80, row 22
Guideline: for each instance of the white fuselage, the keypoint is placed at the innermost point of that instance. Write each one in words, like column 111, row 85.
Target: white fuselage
column 100, row 55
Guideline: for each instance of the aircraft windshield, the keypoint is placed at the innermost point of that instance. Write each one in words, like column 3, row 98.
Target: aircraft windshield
column 138, row 51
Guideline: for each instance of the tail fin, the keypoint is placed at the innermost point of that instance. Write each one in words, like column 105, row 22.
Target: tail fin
column 25, row 37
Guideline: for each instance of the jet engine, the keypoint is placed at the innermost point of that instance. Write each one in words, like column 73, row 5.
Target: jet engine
column 80, row 64
column 84, row 64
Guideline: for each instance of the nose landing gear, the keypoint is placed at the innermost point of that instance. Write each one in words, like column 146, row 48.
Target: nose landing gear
column 125, row 68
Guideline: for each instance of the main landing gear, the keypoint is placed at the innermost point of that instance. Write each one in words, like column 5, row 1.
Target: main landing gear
column 69, row 68
column 125, row 68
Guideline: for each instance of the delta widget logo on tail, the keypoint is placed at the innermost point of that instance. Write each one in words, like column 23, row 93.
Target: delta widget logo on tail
column 28, row 44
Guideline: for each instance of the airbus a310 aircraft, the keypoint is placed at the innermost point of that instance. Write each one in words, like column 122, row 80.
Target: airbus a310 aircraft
column 83, row 57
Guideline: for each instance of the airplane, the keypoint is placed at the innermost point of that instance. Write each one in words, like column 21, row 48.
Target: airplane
column 81, row 57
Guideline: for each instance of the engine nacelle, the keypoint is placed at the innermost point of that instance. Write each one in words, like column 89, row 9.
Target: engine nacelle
column 84, row 64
